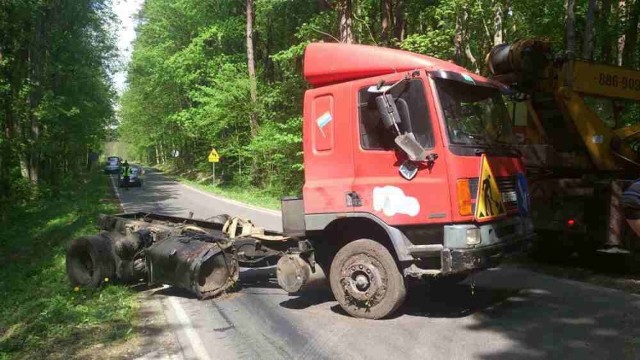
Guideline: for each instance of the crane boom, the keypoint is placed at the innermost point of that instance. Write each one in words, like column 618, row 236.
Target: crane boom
column 577, row 141
column 604, row 80
column 576, row 127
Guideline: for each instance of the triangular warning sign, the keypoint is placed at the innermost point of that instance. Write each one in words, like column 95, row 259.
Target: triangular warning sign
column 489, row 199
column 213, row 156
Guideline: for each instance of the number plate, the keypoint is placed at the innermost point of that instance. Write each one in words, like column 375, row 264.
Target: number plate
column 509, row 196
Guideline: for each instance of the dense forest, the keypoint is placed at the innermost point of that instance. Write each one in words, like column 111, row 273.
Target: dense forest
column 228, row 73
column 56, row 97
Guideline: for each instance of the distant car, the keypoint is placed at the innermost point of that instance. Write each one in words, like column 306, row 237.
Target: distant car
column 113, row 165
column 135, row 177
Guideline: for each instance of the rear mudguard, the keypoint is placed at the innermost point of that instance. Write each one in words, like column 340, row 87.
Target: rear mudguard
column 206, row 269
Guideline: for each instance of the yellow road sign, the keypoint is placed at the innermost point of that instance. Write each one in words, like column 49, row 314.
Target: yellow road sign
column 213, row 156
column 489, row 200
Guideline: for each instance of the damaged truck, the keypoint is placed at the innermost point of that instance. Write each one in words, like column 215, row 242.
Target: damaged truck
column 410, row 173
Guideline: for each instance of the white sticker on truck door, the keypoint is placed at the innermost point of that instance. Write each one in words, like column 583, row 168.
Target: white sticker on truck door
column 391, row 200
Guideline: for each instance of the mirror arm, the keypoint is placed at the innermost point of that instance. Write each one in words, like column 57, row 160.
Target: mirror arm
column 401, row 81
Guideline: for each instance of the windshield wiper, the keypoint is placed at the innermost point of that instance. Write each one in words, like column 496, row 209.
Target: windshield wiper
column 485, row 139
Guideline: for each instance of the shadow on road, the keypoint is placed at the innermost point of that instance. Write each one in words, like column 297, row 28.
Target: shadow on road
column 174, row 291
column 453, row 301
column 540, row 317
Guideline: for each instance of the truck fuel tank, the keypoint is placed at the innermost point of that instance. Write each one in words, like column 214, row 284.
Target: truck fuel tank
column 204, row 268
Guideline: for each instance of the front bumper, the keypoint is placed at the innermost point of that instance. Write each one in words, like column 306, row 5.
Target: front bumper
column 111, row 171
column 464, row 260
column 498, row 240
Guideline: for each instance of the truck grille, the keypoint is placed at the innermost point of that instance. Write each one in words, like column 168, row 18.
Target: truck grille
column 506, row 185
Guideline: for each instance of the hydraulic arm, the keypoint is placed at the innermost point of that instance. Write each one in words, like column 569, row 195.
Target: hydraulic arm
column 569, row 83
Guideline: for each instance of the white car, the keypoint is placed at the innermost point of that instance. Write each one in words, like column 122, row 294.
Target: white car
column 113, row 165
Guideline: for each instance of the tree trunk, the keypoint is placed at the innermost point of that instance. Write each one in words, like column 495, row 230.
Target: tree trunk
column 589, row 31
column 399, row 21
column 497, row 23
column 457, row 40
column 466, row 40
column 386, row 22
column 606, row 40
column 570, row 26
column 631, row 36
column 622, row 14
column 471, row 58
column 253, row 121
column 36, row 63
column 345, row 10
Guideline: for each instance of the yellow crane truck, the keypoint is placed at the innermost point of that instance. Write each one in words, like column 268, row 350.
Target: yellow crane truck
column 578, row 127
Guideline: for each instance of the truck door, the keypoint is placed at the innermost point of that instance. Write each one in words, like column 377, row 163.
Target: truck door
column 383, row 191
column 328, row 149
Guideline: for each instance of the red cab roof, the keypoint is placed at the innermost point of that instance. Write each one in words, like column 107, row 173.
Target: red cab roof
column 329, row 63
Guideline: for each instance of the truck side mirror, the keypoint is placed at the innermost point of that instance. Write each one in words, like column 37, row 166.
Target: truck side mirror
column 408, row 143
column 388, row 111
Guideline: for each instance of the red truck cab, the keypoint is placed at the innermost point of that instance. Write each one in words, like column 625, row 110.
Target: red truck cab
column 409, row 172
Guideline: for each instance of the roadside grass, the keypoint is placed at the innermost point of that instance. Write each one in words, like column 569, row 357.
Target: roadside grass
column 250, row 196
column 247, row 195
column 41, row 315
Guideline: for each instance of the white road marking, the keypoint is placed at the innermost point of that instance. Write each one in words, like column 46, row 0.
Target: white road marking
column 194, row 339
column 115, row 189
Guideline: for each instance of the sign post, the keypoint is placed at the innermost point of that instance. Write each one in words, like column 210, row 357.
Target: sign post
column 213, row 159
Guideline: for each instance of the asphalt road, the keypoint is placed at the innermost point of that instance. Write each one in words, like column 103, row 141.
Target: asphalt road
column 505, row 313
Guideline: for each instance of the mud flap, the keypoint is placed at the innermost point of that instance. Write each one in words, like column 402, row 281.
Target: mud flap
column 206, row 269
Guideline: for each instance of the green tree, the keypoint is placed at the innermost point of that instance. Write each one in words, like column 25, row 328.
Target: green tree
column 191, row 81
column 56, row 58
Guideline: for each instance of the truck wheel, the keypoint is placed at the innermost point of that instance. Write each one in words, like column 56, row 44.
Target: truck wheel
column 90, row 261
column 366, row 280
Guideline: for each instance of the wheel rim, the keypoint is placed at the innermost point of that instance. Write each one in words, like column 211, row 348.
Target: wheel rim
column 364, row 281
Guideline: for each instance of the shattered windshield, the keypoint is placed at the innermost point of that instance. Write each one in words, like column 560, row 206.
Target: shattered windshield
column 475, row 115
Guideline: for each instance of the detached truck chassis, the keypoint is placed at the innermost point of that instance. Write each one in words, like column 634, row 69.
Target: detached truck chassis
column 407, row 175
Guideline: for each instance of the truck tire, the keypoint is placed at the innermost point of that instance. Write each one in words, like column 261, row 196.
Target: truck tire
column 90, row 261
column 366, row 280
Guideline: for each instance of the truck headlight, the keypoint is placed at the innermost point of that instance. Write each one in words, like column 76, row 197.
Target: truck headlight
column 473, row 236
